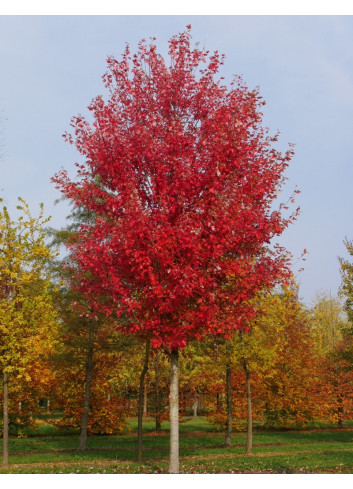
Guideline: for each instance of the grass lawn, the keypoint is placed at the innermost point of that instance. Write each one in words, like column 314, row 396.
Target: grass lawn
column 321, row 450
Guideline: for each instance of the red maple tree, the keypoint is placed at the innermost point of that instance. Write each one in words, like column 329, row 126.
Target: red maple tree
column 180, row 176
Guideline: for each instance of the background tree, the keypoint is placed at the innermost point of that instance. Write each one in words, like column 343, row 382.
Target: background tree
column 346, row 289
column 328, row 319
column 25, row 296
column 290, row 387
column 88, row 333
column 255, row 352
column 339, row 358
column 330, row 331
column 158, row 386
column 91, row 370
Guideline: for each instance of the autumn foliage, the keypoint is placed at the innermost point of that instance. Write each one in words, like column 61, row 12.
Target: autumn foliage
column 181, row 178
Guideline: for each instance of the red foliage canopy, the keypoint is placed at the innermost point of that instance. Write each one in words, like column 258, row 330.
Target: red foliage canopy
column 180, row 177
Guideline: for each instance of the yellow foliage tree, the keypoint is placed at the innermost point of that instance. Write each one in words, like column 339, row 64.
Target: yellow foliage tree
column 25, row 297
column 328, row 318
column 290, row 393
column 333, row 340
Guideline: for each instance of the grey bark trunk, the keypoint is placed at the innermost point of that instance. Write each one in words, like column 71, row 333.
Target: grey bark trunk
column 89, row 374
column 229, row 423
column 250, row 421
column 174, row 413
column 158, row 408
column 5, row 432
column 144, row 400
column 195, row 406
column 48, row 406
column 141, row 400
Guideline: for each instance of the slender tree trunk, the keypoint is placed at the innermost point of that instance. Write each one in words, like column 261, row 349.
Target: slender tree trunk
column 218, row 401
column 195, row 406
column 48, row 406
column 141, row 400
column 5, row 430
column 144, row 400
column 174, row 413
column 158, row 407
column 248, row 395
column 89, row 373
column 229, row 403
column 340, row 413
column 229, row 423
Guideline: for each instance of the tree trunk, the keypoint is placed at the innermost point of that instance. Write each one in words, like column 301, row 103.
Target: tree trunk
column 229, row 423
column 5, row 430
column 89, row 373
column 248, row 395
column 174, row 413
column 218, row 401
column 141, row 400
column 340, row 412
column 195, row 406
column 158, row 408
column 48, row 406
column 144, row 400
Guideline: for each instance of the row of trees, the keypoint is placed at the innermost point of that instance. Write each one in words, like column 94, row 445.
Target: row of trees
column 293, row 366
column 170, row 259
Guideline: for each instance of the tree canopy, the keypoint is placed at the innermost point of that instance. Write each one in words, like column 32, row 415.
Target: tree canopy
column 181, row 178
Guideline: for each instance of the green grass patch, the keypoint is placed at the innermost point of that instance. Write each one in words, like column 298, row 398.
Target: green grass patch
column 48, row 450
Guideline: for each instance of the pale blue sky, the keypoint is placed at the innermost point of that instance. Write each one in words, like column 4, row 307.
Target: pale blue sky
column 51, row 68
